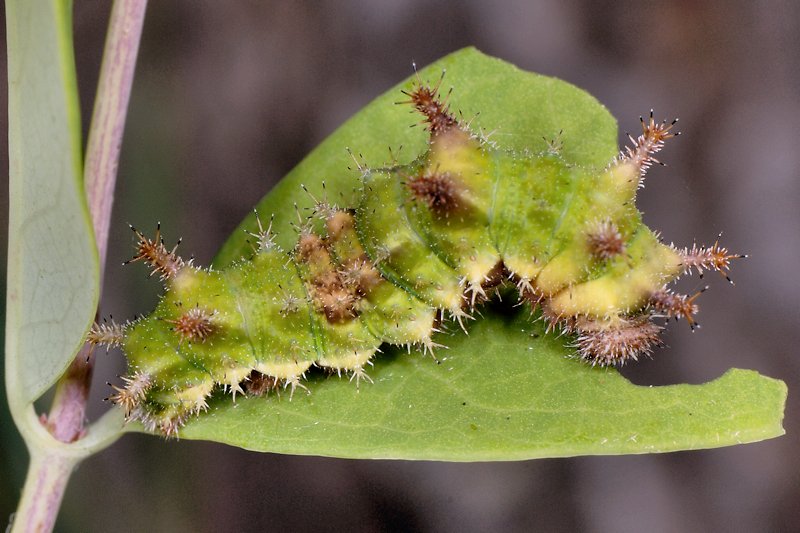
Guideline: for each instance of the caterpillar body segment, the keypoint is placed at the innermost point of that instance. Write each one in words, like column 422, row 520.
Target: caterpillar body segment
column 426, row 242
column 399, row 252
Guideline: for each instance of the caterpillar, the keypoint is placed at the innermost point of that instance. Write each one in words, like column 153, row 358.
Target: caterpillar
column 425, row 245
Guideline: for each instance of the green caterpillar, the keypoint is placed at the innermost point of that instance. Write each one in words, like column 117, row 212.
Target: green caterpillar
column 427, row 243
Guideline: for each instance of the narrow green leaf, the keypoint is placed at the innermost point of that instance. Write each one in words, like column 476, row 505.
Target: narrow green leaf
column 506, row 391
column 52, row 260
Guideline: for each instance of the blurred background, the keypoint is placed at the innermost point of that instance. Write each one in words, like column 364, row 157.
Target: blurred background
column 231, row 95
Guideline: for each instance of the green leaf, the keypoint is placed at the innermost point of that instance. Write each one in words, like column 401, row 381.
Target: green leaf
column 52, row 259
column 506, row 391
column 499, row 394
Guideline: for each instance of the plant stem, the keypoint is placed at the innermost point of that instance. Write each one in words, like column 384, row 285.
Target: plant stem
column 48, row 474
column 65, row 421
column 108, row 118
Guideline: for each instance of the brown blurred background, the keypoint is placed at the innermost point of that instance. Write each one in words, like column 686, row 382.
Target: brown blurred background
column 231, row 95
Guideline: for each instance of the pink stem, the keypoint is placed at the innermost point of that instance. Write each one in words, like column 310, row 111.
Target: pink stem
column 110, row 109
column 44, row 489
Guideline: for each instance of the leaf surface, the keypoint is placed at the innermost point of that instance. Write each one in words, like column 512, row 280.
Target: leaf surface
column 52, row 259
column 507, row 391
column 499, row 394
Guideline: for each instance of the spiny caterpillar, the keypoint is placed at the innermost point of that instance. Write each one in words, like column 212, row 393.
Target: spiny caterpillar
column 427, row 243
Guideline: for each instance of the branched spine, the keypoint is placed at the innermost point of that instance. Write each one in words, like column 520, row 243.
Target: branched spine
column 425, row 99
column 677, row 305
column 154, row 252
column 650, row 142
column 107, row 333
column 131, row 395
column 716, row 258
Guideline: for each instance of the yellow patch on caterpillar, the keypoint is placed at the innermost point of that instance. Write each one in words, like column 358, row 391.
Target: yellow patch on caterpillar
column 625, row 290
column 283, row 370
column 234, row 376
column 356, row 359
column 196, row 396
column 620, row 181
column 561, row 271
column 482, row 272
column 457, row 154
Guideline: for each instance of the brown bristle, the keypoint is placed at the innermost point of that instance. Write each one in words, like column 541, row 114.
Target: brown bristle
column 328, row 290
column 108, row 334
column 605, row 241
column 676, row 305
column 425, row 99
column 608, row 344
column 336, row 301
column 333, row 297
column 258, row 384
column 133, row 393
column 703, row 258
column 194, row 325
column 437, row 190
column 154, row 252
column 650, row 142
